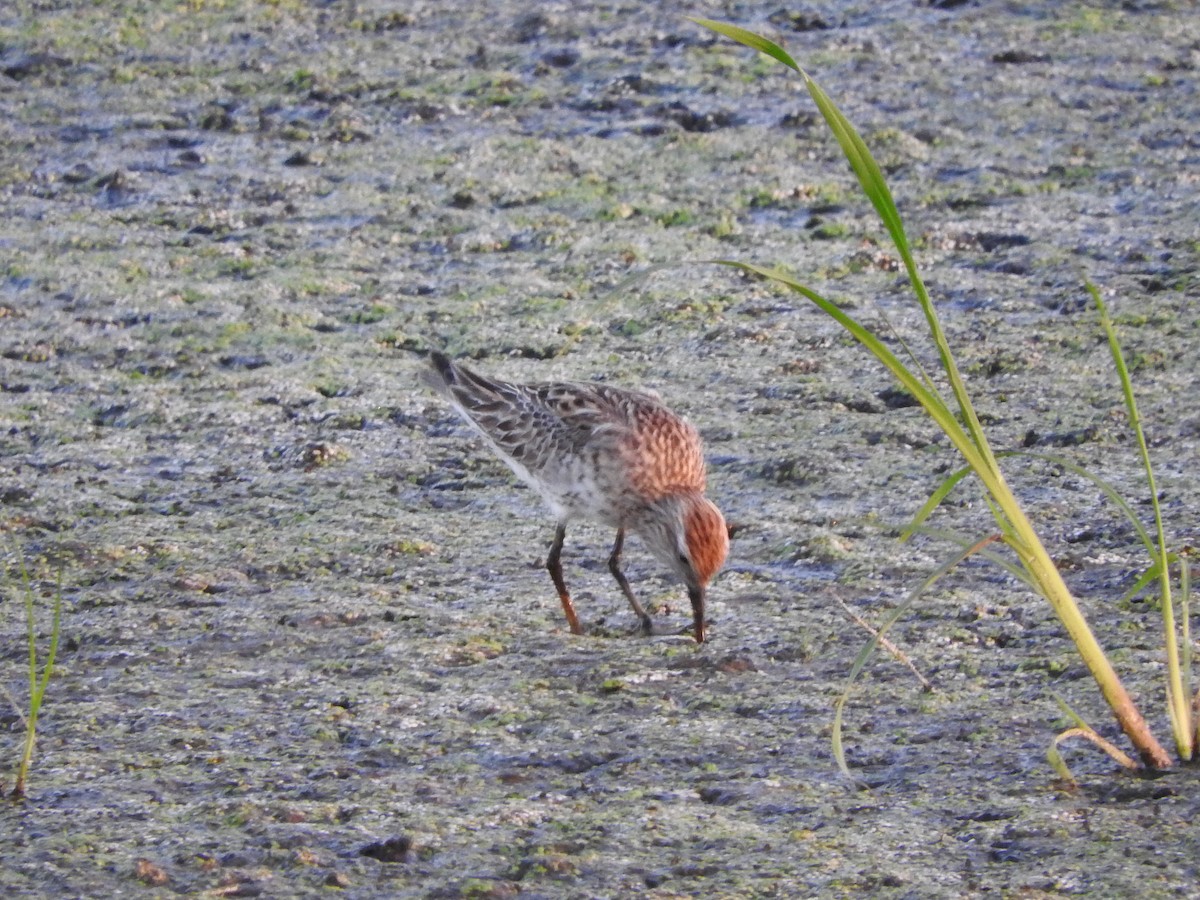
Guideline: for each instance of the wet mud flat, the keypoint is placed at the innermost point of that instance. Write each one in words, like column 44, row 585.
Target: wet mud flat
column 308, row 641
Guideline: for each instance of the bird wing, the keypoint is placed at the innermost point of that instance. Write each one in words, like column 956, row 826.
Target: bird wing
column 533, row 424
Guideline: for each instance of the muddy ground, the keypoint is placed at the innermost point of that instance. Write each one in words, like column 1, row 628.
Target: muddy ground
column 308, row 645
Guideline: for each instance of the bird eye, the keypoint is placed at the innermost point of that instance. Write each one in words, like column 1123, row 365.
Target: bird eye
column 683, row 558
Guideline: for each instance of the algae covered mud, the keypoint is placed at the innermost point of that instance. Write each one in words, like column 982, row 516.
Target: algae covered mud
column 308, row 643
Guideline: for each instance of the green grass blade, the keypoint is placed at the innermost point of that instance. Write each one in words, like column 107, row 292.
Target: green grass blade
column 874, row 186
column 1178, row 699
column 864, row 655
column 931, row 400
column 1105, row 487
column 749, row 38
column 935, row 500
column 1185, row 615
column 1067, row 711
column 52, row 653
column 37, row 683
column 1055, row 758
column 1053, row 754
column 866, row 169
column 966, row 541
column 1143, row 581
column 30, row 628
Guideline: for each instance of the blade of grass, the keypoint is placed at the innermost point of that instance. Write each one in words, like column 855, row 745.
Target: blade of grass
column 749, row 38
column 875, row 188
column 931, row 400
column 934, row 501
column 37, row 683
column 1178, row 696
column 966, row 541
column 1143, row 581
column 1106, row 488
column 952, row 481
column 1055, row 758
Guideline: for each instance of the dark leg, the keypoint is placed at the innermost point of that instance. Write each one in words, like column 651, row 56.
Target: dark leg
column 614, row 566
column 554, row 567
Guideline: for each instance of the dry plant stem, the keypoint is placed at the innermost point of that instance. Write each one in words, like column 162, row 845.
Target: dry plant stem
column 1118, row 755
column 887, row 645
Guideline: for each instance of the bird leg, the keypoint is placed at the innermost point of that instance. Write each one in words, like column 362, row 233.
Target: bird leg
column 554, row 567
column 614, row 566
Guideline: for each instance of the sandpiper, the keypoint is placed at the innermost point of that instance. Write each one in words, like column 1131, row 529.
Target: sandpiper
column 593, row 451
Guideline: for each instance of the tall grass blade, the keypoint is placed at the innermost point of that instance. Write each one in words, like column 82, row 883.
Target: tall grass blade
column 874, row 186
column 930, row 399
column 1178, row 695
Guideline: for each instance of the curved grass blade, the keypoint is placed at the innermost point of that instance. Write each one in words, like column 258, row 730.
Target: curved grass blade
column 931, row 400
column 1108, row 490
column 37, row 684
column 1143, row 581
column 749, row 38
column 1084, row 730
column 866, row 169
column 965, row 541
column 875, row 187
column 1054, row 756
column 952, row 481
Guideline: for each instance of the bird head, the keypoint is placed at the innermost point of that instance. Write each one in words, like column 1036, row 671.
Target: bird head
column 688, row 533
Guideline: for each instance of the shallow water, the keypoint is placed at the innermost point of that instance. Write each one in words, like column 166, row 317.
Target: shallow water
column 308, row 640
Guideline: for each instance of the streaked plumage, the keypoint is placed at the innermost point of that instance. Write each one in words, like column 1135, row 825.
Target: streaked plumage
column 598, row 452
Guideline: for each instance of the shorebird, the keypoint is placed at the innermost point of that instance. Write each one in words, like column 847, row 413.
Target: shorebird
column 593, row 451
